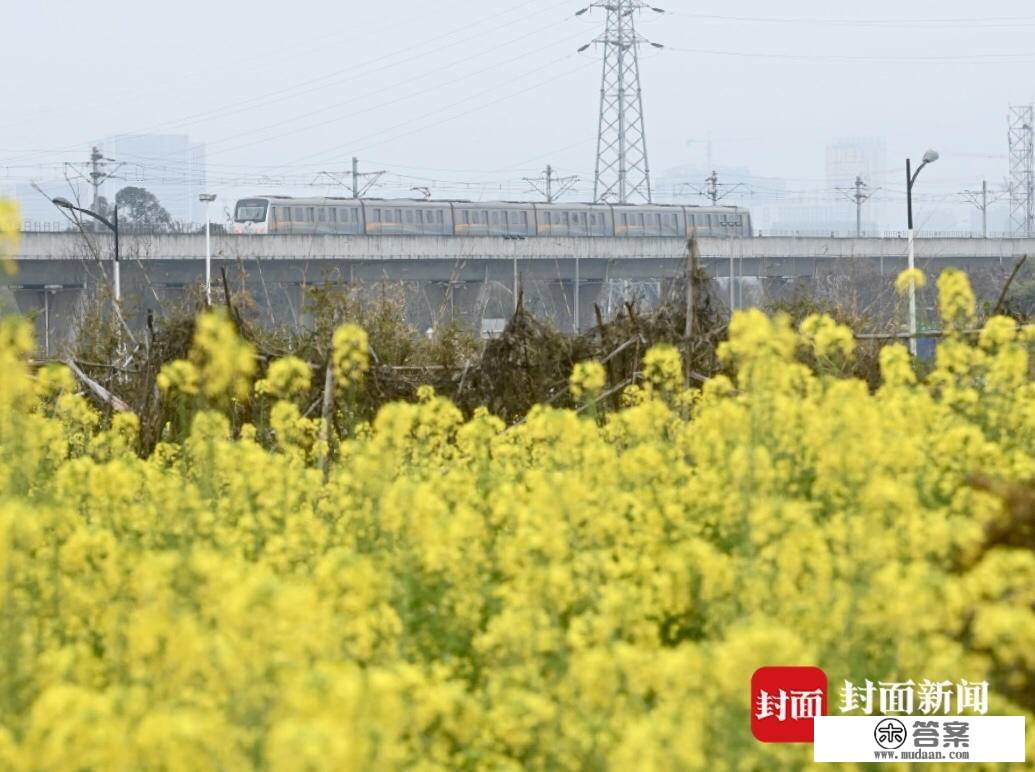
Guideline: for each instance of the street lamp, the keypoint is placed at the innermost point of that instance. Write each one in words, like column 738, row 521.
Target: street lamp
column 728, row 224
column 64, row 203
column 929, row 158
column 207, row 199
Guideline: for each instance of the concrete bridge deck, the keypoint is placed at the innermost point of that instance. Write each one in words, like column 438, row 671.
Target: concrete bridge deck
column 474, row 277
column 62, row 246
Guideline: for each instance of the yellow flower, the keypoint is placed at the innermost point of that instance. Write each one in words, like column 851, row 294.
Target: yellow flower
column 909, row 276
column 10, row 229
column 956, row 302
column 828, row 338
column 435, row 592
column 350, row 355
column 52, row 380
column 286, row 378
column 180, row 376
column 663, row 368
column 225, row 363
column 998, row 331
column 587, row 378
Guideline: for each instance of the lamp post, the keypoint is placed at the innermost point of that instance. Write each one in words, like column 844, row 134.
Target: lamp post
column 728, row 224
column 207, row 199
column 64, row 203
column 929, row 158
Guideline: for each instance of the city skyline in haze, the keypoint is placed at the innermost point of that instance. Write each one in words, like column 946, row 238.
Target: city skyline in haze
column 468, row 99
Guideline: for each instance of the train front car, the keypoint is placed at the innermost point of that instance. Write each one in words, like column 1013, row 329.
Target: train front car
column 251, row 216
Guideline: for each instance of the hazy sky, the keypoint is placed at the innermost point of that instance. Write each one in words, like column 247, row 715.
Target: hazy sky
column 468, row 91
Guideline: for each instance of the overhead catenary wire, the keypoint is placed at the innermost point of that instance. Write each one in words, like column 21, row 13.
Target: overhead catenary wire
column 983, row 58
column 415, row 52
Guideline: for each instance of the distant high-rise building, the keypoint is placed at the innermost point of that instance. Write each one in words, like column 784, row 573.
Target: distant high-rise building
column 866, row 158
column 168, row 165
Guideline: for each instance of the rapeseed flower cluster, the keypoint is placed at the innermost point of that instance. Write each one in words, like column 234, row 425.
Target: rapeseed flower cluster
column 287, row 378
column 10, row 229
column 910, row 277
column 571, row 592
column 350, row 355
column 587, row 379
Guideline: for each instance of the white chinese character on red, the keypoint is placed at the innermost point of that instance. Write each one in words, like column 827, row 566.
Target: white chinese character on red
column 896, row 697
column 935, row 696
column 806, row 704
column 973, row 696
column 771, row 707
column 857, row 698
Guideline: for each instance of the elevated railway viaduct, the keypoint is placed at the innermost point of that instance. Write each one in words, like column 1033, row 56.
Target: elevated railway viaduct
column 472, row 278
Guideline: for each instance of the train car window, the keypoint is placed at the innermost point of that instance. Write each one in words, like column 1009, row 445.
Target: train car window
column 441, row 218
column 299, row 215
column 409, row 216
column 622, row 217
column 465, row 216
column 321, row 214
column 592, row 218
column 332, row 215
column 284, row 213
column 375, row 215
column 524, row 218
column 495, row 217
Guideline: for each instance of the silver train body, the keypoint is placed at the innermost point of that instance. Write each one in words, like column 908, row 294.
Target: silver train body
column 408, row 217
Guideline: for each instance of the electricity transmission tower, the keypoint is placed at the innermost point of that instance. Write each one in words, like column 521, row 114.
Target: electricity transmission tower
column 622, row 171
column 1022, row 170
column 545, row 185
column 981, row 199
column 860, row 194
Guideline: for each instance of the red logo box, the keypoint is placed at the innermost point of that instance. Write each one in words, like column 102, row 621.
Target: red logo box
column 784, row 701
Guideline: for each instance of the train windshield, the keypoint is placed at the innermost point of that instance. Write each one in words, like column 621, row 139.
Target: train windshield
column 251, row 210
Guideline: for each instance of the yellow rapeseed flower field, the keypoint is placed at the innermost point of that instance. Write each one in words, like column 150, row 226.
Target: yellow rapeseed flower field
column 573, row 592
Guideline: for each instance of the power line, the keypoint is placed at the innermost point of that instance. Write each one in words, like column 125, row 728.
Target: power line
column 98, row 174
column 993, row 21
column 354, row 70
column 713, row 190
column 982, row 200
column 622, row 169
column 545, row 185
column 860, row 196
column 996, row 58
column 553, row 79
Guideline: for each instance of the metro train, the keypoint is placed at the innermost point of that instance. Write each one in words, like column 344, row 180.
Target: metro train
column 411, row 217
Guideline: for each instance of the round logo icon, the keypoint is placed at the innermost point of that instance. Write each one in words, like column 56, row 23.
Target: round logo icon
column 890, row 734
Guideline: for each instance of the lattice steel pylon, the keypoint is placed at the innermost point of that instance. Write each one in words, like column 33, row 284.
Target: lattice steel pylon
column 622, row 170
column 1022, row 170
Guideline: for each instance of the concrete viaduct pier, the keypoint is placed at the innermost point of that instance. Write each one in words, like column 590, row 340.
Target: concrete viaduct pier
column 471, row 278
